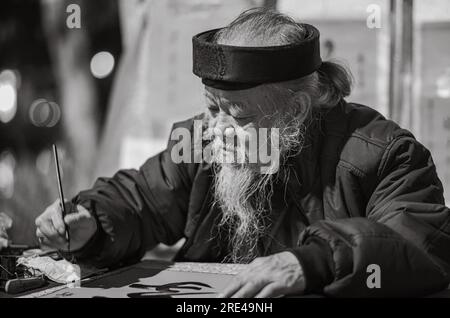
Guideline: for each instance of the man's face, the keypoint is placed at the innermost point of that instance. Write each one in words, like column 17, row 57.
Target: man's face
column 240, row 108
column 235, row 118
column 241, row 121
column 243, row 192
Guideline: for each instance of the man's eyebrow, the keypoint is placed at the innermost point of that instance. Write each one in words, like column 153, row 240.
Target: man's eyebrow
column 240, row 104
column 225, row 103
column 230, row 104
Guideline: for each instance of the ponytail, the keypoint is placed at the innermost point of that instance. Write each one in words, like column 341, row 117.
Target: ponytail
column 335, row 83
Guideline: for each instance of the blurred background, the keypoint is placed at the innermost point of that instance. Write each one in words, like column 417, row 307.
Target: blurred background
column 106, row 79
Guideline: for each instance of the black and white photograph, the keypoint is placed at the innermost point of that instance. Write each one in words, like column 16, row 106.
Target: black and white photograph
column 234, row 150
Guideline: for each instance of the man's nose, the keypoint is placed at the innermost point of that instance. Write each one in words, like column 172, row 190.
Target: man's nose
column 223, row 124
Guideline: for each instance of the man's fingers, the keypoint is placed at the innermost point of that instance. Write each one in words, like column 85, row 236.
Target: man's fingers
column 50, row 210
column 271, row 290
column 44, row 240
column 48, row 231
column 41, row 237
column 232, row 288
column 250, row 289
column 58, row 223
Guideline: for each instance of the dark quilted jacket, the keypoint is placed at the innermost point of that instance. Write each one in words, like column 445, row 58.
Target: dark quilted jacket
column 363, row 191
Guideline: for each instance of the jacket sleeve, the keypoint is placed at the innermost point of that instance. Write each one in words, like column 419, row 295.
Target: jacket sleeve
column 137, row 209
column 406, row 233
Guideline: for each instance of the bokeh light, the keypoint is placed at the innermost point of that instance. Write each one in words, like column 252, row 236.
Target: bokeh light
column 102, row 64
column 8, row 96
column 7, row 166
column 43, row 113
column 443, row 85
column 43, row 161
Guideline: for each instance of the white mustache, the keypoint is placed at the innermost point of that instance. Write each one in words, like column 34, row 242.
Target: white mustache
column 235, row 151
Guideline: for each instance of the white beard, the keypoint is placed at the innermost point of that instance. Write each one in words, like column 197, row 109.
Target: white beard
column 244, row 194
column 244, row 198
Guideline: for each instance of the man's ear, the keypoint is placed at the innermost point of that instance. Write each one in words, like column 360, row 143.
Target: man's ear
column 301, row 103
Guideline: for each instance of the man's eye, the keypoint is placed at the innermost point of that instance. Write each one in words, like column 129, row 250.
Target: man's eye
column 242, row 121
column 213, row 109
column 241, row 116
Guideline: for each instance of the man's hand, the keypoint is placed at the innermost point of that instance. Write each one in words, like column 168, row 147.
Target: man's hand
column 272, row 276
column 51, row 230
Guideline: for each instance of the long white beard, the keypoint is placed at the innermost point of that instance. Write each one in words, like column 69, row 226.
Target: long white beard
column 244, row 198
column 244, row 194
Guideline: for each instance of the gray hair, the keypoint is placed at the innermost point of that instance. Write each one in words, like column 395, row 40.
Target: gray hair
column 266, row 27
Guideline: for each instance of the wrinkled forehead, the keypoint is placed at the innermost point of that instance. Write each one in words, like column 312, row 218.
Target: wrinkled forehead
column 262, row 93
column 258, row 97
column 233, row 95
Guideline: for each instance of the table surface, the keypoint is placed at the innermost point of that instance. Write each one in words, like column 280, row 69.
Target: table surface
column 153, row 279
column 150, row 279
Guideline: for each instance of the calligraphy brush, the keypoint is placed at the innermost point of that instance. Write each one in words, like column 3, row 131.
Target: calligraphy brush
column 61, row 195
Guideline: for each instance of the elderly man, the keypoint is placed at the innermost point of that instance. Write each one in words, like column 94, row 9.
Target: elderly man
column 350, row 193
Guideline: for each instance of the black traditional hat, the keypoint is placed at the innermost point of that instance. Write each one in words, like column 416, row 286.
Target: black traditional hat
column 230, row 67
